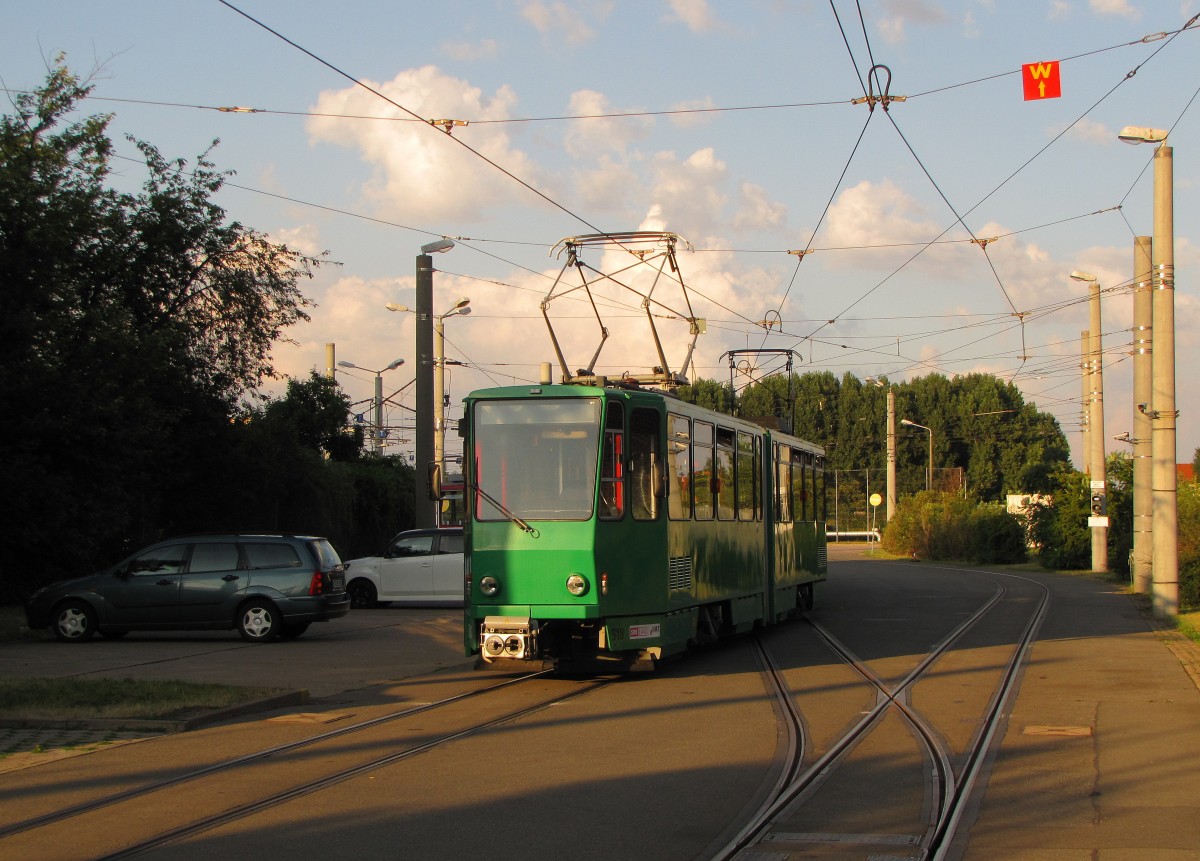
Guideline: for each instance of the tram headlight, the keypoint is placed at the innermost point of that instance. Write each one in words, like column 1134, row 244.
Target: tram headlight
column 577, row 585
column 489, row 586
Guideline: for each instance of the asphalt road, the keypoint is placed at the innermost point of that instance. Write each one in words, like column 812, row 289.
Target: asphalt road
column 1095, row 762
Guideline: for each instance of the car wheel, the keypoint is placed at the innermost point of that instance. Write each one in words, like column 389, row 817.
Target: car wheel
column 363, row 595
column 74, row 622
column 294, row 630
column 258, row 621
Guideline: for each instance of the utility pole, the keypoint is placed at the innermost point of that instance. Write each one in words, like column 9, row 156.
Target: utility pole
column 1143, row 501
column 1161, row 410
column 1085, row 346
column 891, row 454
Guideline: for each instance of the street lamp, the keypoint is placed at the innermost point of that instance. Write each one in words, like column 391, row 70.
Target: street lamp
column 929, row 475
column 377, row 433
column 1161, row 408
column 891, row 445
column 460, row 309
column 424, row 507
column 1098, row 521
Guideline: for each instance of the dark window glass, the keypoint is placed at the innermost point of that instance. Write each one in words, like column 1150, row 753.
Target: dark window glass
column 159, row 561
column 213, row 557
column 679, row 442
column 644, row 462
column 702, row 470
column 272, row 556
column 612, row 465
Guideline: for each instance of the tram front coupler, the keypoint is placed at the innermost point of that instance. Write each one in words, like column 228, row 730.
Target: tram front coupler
column 508, row 637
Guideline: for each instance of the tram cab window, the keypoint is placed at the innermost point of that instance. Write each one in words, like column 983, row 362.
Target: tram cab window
column 644, row 462
column 612, row 464
column 536, row 458
column 679, row 444
column 783, row 483
column 726, row 481
column 702, row 470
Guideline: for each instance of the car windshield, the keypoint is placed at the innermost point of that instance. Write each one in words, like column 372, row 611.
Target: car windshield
column 537, row 458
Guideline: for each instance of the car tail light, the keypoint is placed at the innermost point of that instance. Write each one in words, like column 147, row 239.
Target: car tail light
column 317, row 585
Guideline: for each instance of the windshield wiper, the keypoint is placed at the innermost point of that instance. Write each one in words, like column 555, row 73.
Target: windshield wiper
column 499, row 506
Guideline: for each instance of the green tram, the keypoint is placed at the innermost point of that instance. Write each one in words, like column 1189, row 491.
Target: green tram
column 618, row 526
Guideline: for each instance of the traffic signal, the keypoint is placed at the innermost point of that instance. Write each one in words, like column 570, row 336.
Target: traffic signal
column 1099, row 505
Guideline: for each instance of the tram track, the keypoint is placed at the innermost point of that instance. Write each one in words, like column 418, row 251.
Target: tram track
column 949, row 790
column 297, row 789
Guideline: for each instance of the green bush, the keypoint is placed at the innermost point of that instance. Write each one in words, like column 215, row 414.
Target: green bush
column 944, row 527
column 1189, row 545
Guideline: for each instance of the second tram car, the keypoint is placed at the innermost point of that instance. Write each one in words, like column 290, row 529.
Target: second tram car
column 618, row 526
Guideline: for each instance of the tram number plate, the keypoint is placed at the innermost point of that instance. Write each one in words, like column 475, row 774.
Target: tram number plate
column 644, row 632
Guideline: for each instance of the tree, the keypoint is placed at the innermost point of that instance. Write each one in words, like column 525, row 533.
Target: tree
column 130, row 327
column 316, row 413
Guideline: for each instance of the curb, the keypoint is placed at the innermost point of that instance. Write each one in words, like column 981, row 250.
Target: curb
column 289, row 698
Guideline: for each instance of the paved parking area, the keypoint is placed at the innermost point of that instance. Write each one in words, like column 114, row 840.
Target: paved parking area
column 363, row 650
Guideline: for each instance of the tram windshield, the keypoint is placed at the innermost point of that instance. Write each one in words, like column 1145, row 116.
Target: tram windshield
column 537, row 458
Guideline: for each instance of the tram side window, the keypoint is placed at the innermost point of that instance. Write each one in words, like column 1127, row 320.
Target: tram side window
column 644, row 458
column 748, row 462
column 783, row 484
column 801, row 499
column 679, row 442
column 726, row 481
column 612, row 468
column 819, row 489
column 702, row 470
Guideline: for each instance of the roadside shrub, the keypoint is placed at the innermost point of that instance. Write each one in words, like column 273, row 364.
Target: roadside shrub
column 1189, row 545
column 943, row 527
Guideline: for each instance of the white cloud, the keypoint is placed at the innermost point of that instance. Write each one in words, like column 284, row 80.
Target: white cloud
column 756, row 210
column 899, row 13
column 421, row 176
column 700, row 115
column 875, row 215
column 1114, row 7
column 484, row 49
column 304, row 239
column 595, row 136
column 562, row 21
column 1093, row 132
column 696, row 15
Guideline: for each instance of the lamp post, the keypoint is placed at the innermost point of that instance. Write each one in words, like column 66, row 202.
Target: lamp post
column 1098, row 521
column 377, row 433
column 929, row 475
column 439, row 382
column 891, row 445
column 1161, row 408
column 423, row 507
column 439, row 369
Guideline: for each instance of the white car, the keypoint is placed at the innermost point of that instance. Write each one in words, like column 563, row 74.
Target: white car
column 421, row 566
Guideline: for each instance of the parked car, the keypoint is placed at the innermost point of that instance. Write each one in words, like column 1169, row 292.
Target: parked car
column 265, row 586
column 420, row 566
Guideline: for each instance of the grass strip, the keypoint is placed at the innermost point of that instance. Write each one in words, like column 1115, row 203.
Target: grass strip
column 66, row 699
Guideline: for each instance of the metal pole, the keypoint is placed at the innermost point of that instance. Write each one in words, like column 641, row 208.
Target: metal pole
column 1143, row 502
column 1165, row 490
column 1085, row 450
column 377, row 431
column 929, row 478
column 439, row 390
column 1096, row 425
column 891, row 453
column 423, row 506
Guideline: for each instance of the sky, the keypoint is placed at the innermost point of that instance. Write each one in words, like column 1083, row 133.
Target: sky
column 921, row 218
